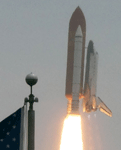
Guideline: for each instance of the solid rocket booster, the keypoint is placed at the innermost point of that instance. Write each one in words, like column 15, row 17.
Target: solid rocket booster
column 75, row 60
column 77, row 71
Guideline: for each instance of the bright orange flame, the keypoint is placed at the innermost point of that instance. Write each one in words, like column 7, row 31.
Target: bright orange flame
column 72, row 134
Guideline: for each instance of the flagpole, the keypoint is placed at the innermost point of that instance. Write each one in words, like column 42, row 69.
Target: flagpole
column 31, row 80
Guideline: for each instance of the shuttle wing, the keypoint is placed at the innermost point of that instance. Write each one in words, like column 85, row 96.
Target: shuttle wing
column 103, row 108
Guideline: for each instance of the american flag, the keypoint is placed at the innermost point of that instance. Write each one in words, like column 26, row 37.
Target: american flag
column 13, row 131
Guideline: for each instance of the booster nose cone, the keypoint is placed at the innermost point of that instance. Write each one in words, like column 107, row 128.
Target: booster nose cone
column 78, row 32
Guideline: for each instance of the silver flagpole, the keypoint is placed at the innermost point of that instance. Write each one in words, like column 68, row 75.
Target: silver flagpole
column 31, row 80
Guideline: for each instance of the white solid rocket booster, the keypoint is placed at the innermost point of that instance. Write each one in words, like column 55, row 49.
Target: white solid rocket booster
column 77, row 70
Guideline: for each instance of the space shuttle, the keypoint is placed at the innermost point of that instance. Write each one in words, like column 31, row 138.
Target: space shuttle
column 76, row 88
column 90, row 101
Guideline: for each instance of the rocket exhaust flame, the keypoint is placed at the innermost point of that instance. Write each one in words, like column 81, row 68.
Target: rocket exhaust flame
column 71, row 138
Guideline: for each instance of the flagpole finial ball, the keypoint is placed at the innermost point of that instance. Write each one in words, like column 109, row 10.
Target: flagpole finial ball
column 31, row 79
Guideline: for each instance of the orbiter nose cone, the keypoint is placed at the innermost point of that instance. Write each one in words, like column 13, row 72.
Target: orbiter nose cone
column 91, row 43
column 78, row 31
column 91, row 46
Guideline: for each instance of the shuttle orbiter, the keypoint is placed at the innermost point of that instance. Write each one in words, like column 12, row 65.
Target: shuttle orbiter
column 90, row 101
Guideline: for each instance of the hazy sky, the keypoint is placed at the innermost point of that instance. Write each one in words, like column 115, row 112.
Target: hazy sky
column 33, row 38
